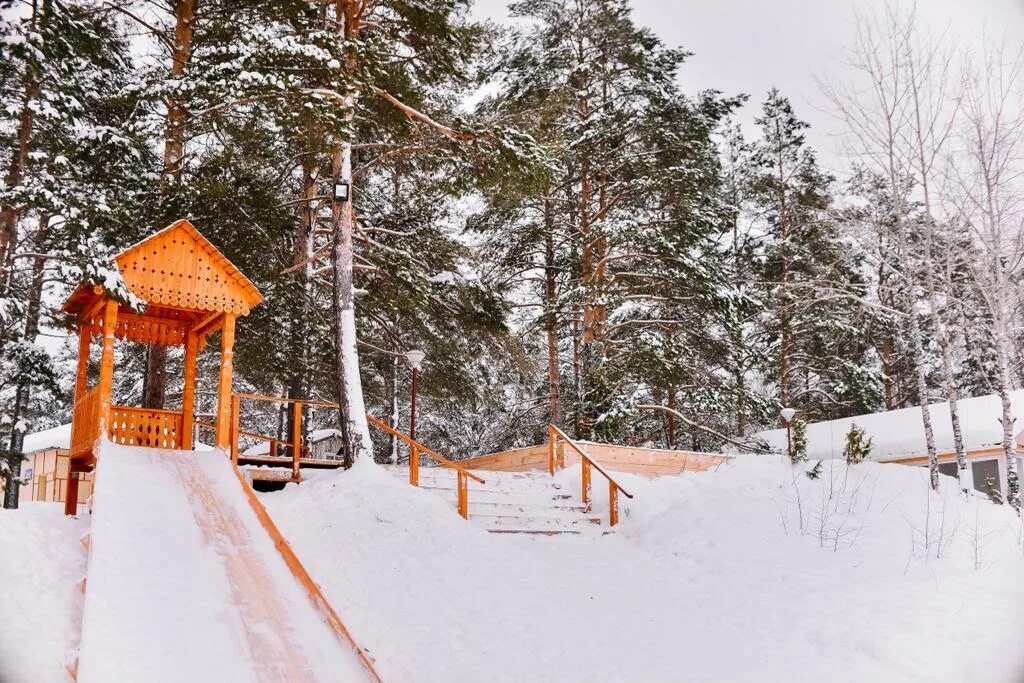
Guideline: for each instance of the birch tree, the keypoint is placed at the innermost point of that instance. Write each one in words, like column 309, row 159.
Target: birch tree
column 876, row 108
column 987, row 177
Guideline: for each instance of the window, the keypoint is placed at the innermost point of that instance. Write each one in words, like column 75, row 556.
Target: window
column 949, row 469
column 984, row 471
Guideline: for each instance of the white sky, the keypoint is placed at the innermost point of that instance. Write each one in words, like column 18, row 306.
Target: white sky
column 748, row 46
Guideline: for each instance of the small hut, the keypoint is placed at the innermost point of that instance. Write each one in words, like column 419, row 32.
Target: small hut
column 189, row 291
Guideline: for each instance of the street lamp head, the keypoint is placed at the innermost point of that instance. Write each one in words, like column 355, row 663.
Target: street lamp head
column 341, row 190
column 787, row 414
column 414, row 358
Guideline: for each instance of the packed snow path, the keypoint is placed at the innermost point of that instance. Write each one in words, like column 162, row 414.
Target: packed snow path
column 751, row 573
column 184, row 584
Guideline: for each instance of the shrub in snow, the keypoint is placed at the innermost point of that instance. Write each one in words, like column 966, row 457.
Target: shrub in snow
column 992, row 489
column 858, row 446
column 814, row 472
column 799, row 452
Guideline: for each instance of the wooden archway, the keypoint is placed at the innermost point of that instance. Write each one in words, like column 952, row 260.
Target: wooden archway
column 190, row 290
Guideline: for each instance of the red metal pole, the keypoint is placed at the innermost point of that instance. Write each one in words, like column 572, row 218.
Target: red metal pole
column 414, row 456
column 789, row 439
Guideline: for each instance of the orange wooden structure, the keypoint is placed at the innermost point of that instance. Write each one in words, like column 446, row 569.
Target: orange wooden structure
column 189, row 290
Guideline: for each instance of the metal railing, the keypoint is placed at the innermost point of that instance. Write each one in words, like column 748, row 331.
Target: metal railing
column 557, row 439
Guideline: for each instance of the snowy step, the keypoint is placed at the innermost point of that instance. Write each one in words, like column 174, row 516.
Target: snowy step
column 510, row 502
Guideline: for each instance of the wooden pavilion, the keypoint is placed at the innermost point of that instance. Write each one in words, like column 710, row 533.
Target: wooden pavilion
column 190, row 290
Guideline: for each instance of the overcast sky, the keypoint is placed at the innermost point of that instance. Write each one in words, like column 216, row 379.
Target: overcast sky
column 748, row 46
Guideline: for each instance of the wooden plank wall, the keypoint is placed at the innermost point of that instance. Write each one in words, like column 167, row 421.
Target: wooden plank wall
column 50, row 478
column 515, row 460
column 650, row 462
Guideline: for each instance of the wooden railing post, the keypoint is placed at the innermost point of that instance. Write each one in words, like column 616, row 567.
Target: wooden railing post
column 586, row 482
column 414, row 464
column 613, row 503
column 296, row 438
column 463, row 482
column 236, row 406
column 560, row 460
column 551, row 450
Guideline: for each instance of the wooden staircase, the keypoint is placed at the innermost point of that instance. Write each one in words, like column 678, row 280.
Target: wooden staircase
column 511, row 502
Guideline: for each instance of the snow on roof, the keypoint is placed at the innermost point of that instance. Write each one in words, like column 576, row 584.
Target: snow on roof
column 315, row 436
column 898, row 434
column 55, row 437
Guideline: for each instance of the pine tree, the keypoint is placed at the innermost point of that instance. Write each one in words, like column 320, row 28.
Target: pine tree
column 857, row 448
column 822, row 364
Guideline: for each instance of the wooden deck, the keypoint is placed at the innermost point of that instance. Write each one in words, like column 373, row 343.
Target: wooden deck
column 278, row 461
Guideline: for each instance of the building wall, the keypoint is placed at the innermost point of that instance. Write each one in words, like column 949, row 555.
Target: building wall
column 49, row 478
column 980, row 455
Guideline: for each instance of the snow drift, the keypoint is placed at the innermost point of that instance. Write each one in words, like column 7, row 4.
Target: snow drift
column 753, row 572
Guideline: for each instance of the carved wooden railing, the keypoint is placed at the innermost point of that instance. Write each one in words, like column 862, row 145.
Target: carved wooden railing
column 415, row 448
column 85, row 423
column 557, row 440
column 145, row 427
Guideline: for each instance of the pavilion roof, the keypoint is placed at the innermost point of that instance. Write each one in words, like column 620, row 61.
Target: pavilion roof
column 178, row 268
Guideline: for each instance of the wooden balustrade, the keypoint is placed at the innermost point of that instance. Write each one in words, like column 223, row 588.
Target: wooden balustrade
column 85, row 423
column 557, row 439
column 145, row 427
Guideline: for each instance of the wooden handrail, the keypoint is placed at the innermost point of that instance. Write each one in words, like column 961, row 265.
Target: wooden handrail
column 440, row 458
column 463, row 475
column 158, row 411
column 554, row 435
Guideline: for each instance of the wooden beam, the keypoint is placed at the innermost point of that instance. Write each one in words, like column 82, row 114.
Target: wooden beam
column 197, row 328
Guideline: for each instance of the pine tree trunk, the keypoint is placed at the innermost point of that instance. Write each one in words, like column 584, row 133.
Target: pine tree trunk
column 785, row 342
column 23, row 391
column 174, row 151
column 9, row 214
column 301, row 256
column 551, row 311
column 670, row 427
column 354, row 427
column 395, row 367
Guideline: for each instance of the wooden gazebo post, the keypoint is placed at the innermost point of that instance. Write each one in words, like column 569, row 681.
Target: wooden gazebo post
column 227, row 366
column 188, row 392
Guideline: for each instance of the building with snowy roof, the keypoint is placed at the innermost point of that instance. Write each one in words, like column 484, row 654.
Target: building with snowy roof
column 44, row 474
column 898, row 436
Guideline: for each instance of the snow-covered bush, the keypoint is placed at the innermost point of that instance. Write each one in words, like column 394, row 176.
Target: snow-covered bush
column 858, row 446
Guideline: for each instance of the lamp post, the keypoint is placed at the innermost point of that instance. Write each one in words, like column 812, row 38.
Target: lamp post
column 414, row 358
column 787, row 417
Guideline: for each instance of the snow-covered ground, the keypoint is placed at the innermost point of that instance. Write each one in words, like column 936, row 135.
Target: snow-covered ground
column 752, row 573
column 41, row 561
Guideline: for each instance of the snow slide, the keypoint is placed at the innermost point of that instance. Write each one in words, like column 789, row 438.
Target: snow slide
column 185, row 583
